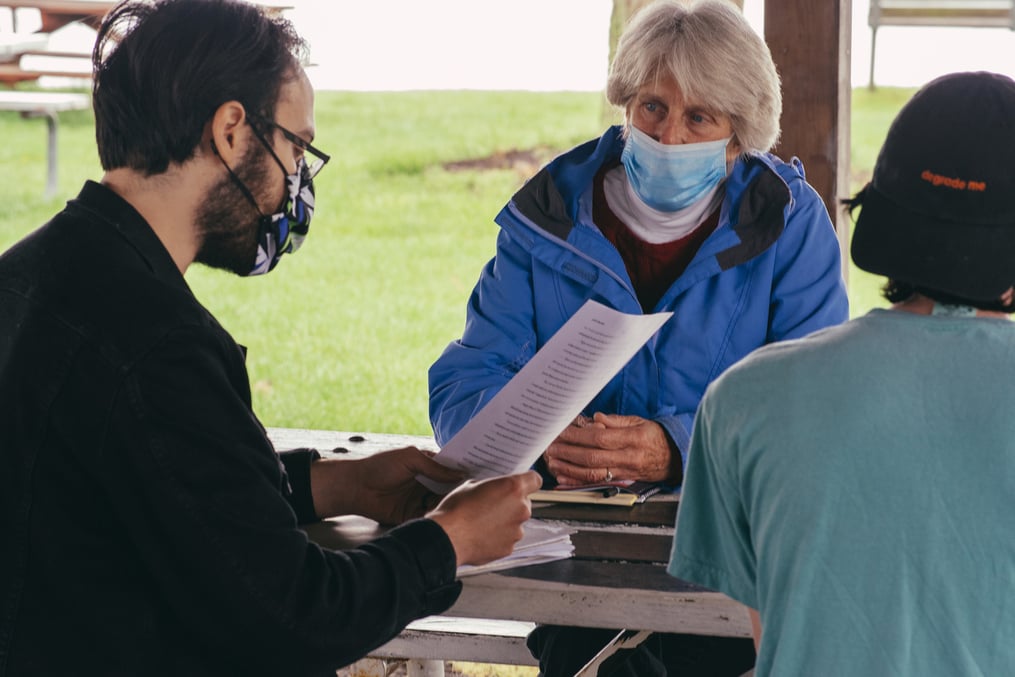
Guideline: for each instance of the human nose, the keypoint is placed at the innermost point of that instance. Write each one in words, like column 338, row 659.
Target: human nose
column 672, row 132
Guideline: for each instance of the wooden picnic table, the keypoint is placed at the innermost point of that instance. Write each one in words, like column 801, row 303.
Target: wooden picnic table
column 47, row 105
column 13, row 45
column 58, row 13
column 616, row 579
column 54, row 15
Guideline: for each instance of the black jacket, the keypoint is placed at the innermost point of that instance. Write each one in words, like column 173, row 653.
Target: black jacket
column 147, row 525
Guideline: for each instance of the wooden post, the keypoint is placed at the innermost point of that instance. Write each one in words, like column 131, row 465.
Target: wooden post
column 810, row 44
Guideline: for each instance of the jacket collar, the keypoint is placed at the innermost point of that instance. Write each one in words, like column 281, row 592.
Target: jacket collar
column 757, row 194
column 100, row 203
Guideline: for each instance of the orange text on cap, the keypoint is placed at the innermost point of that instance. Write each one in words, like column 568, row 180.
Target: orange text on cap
column 957, row 184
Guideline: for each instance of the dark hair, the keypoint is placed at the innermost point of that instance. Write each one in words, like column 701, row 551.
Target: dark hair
column 162, row 69
column 897, row 291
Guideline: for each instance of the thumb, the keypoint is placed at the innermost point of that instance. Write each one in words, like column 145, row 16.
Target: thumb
column 425, row 465
column 531, row 481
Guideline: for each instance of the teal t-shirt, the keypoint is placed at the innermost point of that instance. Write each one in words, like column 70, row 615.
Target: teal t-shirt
column 857, row 488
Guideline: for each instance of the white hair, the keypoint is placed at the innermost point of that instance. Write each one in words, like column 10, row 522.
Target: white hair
column 713, row 55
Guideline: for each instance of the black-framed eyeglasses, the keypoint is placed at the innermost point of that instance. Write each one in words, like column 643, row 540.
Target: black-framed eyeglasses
column 320, row 158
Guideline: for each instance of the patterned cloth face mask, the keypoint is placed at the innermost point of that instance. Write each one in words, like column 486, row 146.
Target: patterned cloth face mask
column 672, row 177
column 284, row 231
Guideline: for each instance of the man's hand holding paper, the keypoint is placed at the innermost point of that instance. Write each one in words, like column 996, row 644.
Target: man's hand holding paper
column 478, row 533
column 382, row 487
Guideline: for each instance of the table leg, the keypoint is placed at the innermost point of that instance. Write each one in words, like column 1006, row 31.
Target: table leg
column 51, row 150
column 428, row 668
column 51, row 173
column 366, row 667
column 625, row 639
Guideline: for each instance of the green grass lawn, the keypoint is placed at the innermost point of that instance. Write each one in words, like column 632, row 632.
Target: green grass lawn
column 341, row 334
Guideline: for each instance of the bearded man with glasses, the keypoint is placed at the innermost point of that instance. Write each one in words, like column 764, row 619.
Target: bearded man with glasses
column 149, row 527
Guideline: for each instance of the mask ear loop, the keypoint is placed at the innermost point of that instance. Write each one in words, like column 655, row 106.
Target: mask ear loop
column 283, row 235
column 243, row 188
column 260, row 137
column 300, row 168
column 267, row 222
column 264, row 222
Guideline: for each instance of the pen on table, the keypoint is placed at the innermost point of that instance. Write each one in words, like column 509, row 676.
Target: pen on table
column 610, row 491
column 651, row 491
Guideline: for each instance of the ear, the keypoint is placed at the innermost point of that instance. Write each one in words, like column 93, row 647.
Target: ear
column 229, row 132
column 733, row 150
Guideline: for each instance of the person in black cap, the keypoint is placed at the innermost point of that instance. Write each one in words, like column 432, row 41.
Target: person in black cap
column 854, row 487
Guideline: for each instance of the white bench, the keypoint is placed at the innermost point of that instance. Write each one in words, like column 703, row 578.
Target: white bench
column 426, row 644
column 951, row 13
column 47, row 105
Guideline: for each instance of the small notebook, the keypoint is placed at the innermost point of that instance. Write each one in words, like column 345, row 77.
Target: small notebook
column 624, row 493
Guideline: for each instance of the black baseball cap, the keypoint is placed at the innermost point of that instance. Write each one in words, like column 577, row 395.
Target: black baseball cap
column 939, row 211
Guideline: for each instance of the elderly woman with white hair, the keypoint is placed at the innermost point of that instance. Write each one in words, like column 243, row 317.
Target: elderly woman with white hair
column 682, row 209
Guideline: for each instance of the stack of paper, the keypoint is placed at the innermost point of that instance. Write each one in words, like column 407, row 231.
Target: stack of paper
column 542, row 542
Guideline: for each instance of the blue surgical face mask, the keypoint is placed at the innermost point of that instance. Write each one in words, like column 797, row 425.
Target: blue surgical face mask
column 672, row 177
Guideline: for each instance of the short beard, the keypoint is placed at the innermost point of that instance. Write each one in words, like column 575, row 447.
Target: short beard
column 227, row 222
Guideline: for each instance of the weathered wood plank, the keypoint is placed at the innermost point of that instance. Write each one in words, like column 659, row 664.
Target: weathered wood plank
column 351, row 443
column 632, row 547
column 810, row 44
column 462, row 639
column 582, row 593
column 658, row 511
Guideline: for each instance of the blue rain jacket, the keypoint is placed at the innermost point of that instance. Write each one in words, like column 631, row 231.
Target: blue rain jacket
column 770, row 271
